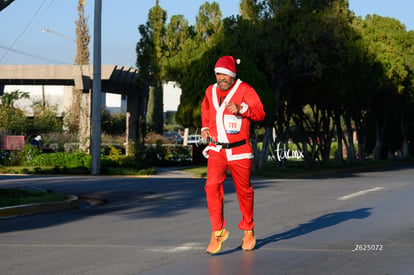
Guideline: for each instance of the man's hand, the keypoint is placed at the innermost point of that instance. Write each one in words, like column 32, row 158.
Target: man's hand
column 233, row 108
column 205, row 134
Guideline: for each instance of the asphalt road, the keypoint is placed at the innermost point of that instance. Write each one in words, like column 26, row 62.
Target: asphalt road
column 354, row 223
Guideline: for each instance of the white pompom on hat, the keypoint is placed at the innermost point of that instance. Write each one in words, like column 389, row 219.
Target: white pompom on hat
column 226, row 65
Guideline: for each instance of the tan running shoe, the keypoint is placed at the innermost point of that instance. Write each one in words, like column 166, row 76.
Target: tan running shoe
column 217, row 240
column 249, row 240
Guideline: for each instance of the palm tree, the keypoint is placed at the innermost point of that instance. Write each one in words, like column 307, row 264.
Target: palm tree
column 8, row 100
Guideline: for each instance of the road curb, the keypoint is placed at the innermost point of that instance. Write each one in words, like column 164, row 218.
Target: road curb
column 38, row 208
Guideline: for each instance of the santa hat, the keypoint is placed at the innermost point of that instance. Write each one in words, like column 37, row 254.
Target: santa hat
column 226, row 65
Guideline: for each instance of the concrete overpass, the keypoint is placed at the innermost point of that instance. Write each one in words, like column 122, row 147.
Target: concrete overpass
column 115, row 79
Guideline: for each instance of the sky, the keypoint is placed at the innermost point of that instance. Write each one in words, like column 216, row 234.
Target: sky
column 23, row 38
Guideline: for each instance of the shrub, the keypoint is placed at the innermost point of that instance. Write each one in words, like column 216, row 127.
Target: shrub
column 46, row 120
column 177, row 152
column 117, row 139
column 12, row 121
column 60, row 159
column 11, row 158
column 155, row 154
column 59, row 138
column 153, row 138
column 114, row 153
column 71, row 147
column 15, row 158
column 113, row 123
column 117, row 159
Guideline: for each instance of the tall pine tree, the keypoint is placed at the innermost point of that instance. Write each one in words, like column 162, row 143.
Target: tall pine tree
column 150, row 49
column 81, row 58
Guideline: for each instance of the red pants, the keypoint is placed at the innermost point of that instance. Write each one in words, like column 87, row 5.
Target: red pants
column 216, row 174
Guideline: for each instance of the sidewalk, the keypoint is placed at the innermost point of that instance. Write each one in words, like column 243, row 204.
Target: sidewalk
column 172, row 172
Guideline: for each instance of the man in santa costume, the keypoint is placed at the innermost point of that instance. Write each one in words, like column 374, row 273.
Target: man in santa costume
column 227, row 109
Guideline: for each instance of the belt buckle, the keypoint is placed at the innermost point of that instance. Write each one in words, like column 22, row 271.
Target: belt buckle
column 226, row 145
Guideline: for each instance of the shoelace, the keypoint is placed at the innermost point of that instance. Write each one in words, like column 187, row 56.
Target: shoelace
column 221, row 235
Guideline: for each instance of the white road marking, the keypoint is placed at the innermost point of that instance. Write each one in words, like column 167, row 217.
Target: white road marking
column 183, row 247
column 360, row 193
column 180, row 248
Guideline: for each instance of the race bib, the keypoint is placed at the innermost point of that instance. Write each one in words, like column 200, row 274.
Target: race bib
column 232, row 124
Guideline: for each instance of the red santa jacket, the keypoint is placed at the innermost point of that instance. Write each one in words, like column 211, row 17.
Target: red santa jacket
column 224, row 127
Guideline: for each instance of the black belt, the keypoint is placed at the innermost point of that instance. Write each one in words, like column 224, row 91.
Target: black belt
column 230, row 145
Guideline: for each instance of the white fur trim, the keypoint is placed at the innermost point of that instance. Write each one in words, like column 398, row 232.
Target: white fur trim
column 216, row 148
column 204, row 128
column 221, row 133
column 244, row 108
column 224, row 71
column 230, row 155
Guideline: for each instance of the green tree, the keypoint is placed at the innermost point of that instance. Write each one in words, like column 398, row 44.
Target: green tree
column 302, row 47
column 387, row 39
column 325, row 74
column 12, row 120
column 406, row 98
column 8, row 99
column 208, row 21
column 81, row 58
column 249, row 10
column 113, row 124
column 150, row 50
column 46, row 119
column 362, row 84
column 193, row 67
column 177, row 33
column 82, row 35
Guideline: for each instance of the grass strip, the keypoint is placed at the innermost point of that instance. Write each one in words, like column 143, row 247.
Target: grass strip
column 14, row 196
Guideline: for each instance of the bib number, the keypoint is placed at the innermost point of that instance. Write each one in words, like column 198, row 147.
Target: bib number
column 232, row 124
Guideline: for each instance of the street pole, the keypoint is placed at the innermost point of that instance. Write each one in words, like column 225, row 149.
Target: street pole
column 96, row 92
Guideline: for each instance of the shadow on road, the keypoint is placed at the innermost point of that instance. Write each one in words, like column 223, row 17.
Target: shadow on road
column 316, row 224
column 141, row 198
column 357, row 170
column 129, row 198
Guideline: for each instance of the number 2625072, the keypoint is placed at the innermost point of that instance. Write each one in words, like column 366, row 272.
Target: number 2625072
column 368, row 247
